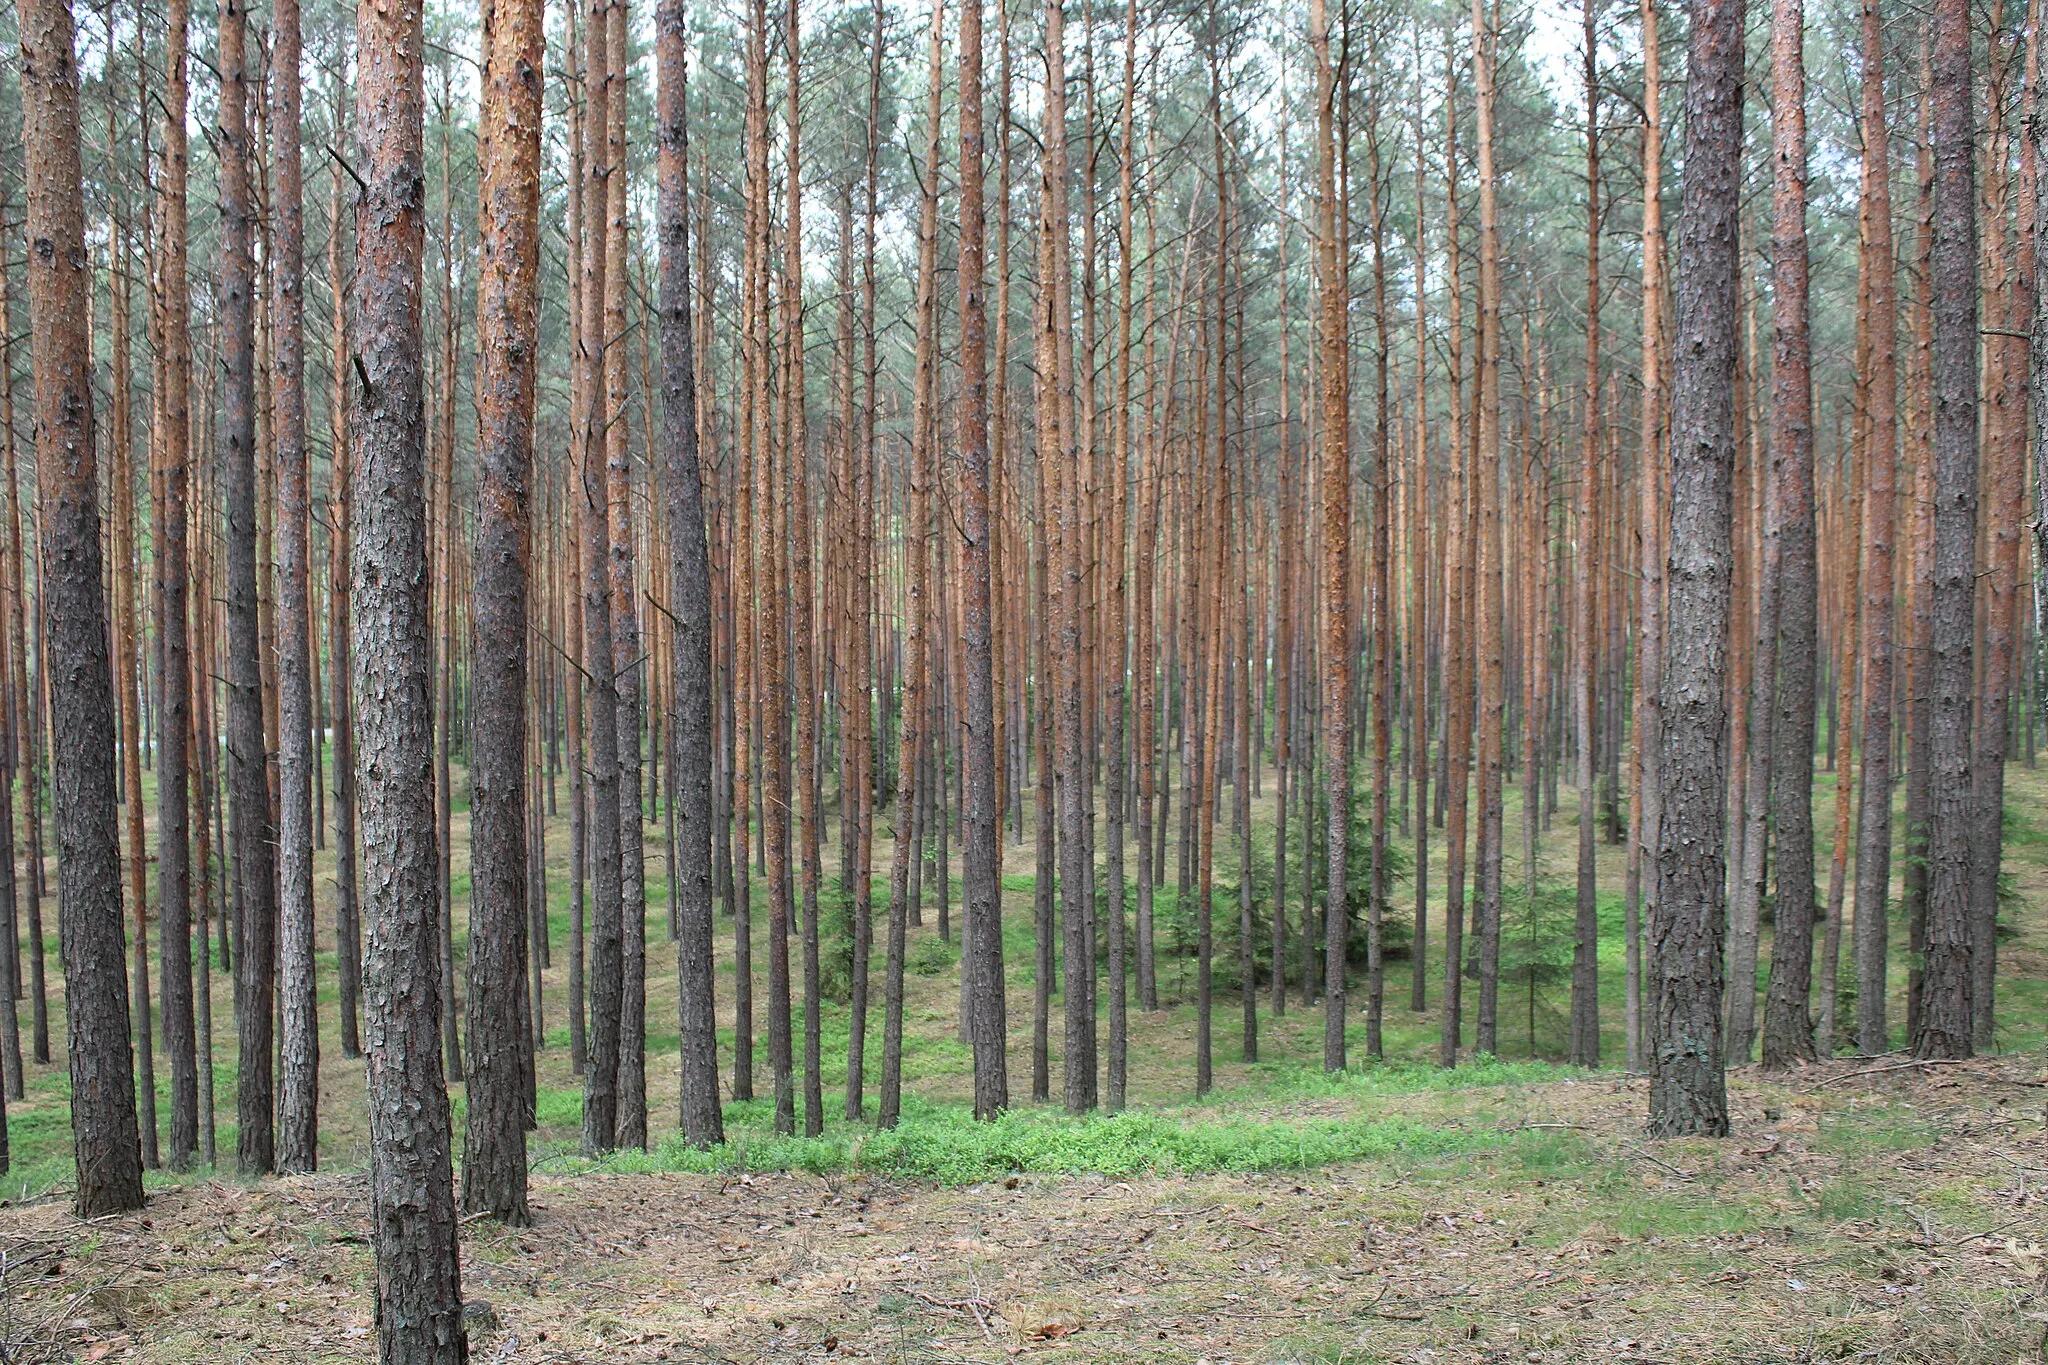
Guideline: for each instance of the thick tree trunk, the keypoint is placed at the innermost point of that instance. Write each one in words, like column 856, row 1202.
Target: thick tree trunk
column 1788, row 1019
column 254, row 841
column 689, row 588
column 1688, row 1087
column 494, row 1144
column 412, row 1191
column 81, row 701
column 1945, row 1022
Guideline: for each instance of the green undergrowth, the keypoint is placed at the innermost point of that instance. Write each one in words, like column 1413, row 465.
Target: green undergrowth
column 945, row 1145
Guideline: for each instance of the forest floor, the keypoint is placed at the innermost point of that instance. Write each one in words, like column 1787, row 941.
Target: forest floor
column 1860, row 1211
column 1510, row 1210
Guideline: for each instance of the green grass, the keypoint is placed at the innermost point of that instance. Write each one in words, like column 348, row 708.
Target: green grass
column 944, row 1144
column 1229, row 1131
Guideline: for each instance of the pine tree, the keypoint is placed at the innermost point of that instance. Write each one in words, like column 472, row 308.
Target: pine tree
column 1688, row 1086
column 1945, row 1021
column 103, row 1126
column 494, row 1145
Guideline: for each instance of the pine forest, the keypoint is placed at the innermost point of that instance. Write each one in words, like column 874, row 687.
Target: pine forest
column 951, row 680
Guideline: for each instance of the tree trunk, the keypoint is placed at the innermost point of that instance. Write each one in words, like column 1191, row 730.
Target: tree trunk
column 299, row 1096
column 1144, row 641
column 27, row 700
column 1585, row 1037
column 494, row 1144
column 2004, row 474
column 1420, row 658
column 626, row 664
column 1688, row 1087
column 1334, row 435
column 255, row 876
column 127, row 675
column 1649, row 803
column 1458, row 616
column 917, row 534
column 348, row 947
column 1490, row 606
column 419, row 1278
column 862, row 737
column 606, row 971
column 803, row 664
column 689, row 589
column 1874, row 813
column 104, row 1135
column 1114, row 631
column 1788, row 1019
column 981, row 883
column 1945, row 1022
column 1060, row 452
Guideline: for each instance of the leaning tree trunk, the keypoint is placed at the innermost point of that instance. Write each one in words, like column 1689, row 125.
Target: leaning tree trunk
column 494, row 1145
column 105, row 1139
column 412, row 1191
column 1688, row 1086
